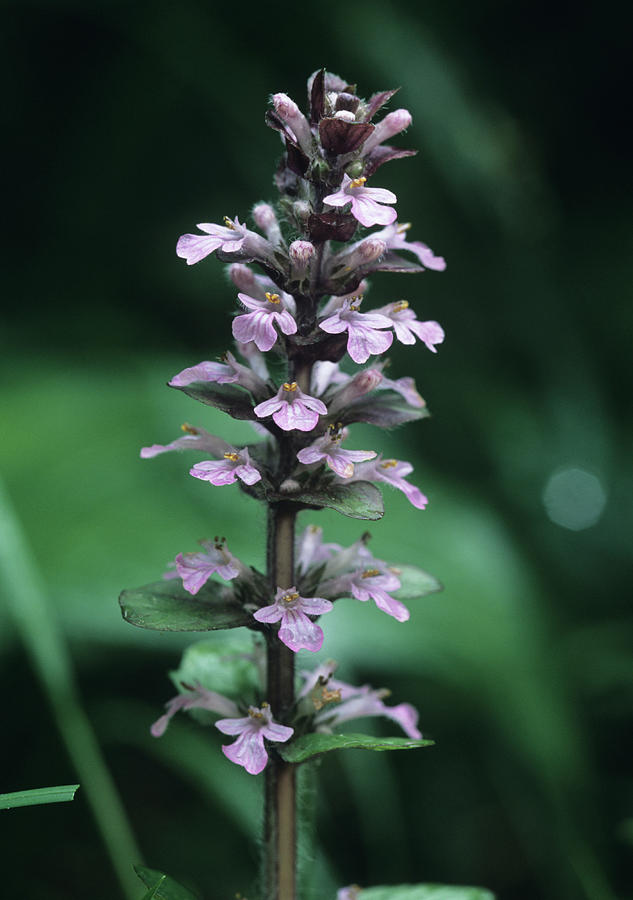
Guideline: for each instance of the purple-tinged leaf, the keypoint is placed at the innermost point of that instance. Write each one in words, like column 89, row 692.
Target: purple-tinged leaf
column 317, row 97
column 384, row 411
column 377, row 101
column 229, row 399
column 297, row 161
column 339, row 136
column 331, row 227
column 347, row 101
column 384, row 153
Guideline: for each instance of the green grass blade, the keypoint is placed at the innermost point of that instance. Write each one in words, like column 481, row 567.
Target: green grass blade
column 35, row 797
column 28, row 605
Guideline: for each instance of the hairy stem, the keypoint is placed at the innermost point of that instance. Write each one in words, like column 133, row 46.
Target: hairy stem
column 280, row 827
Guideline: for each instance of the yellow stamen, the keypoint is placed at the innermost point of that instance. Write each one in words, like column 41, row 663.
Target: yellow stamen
column 370, row 573
column 228, row 223
column 189, row 429
column 232, row 456
column 400, row 305
column 289, row 598
column 272, row 298
column 389, row 464
column 358, row 182
column 255, row 714
column 289, row 386
column 402, row 227
column 325, row 698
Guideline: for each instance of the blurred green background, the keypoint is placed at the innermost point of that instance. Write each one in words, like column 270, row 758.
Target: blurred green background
column 128, row 123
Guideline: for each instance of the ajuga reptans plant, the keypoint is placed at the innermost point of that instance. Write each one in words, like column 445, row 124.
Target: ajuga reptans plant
column 301, row 277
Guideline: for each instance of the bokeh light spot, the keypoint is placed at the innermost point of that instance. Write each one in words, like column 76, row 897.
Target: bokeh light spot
column 574, row 498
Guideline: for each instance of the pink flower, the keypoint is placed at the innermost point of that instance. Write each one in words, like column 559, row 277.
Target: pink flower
column 248, row 750
column 395, row 237
column 366, row 202
column 352, row 389
column 375, row 585
column 230, row 371
column 392, row 124
column 406, row 388
column 195, row 697
column 328, row 447
column 364, row 336
column 292, row 409
column 229, row 237
column 296, row 630
column 311, row 550
column 236, row 464
column 193, row 439
column 407, row 327
column 366, row 701
column 288, row 110
column 195, row 569
column 393, row 472
column 258, row 325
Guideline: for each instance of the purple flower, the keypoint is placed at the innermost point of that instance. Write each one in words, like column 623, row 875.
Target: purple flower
column 292, row 409
column 407, row 327
column 393, row 123
column 248, row 750
column 366, row 701
column 296, row 630
column 354, row 388
column 195, row 569
column 364, row 336
column 328, row 447
column 230, row 371
column 311, row 550
column 258, row 325
column 375, row 584
column 228, row 237
column 366, row 202
column 405, row 387
column 395, row 237
column 236, row 464
column 195, row 697
column 193, row 439
column 393, row 472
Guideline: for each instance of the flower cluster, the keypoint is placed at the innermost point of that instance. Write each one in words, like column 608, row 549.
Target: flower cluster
column 300, row 275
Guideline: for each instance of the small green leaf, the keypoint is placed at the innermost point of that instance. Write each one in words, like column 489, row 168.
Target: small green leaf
column 166, row 606
column 229, row 399
column 167, row 889
column 424, row 892
column 310, row 745
column 414, row 582
column 153, row 891
column 224, row 666
column 359, row 500
column 38, row 795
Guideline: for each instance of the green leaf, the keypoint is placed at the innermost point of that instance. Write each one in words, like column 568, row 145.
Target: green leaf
column 167, row 889
column 166, row 606
column 37, row 796
column 153, row 891
column 310, row 745
column 237, row 403
column 424, row 892
column 359, row 500
column 223, row 666
column 414, row 582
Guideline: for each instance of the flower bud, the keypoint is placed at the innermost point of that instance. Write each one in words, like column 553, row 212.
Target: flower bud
column 362, row 383
column 370, row 249
column 265, row 219
column 301, row 252
column 393, row 123
column 288, row 110
column 243, row 278
column 345, row 114
column 355, row 169
column 302, row 210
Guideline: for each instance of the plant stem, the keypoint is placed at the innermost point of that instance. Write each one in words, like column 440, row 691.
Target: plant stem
column 280, row 827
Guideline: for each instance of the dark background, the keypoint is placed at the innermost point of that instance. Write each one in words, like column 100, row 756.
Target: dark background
column 125, row 125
